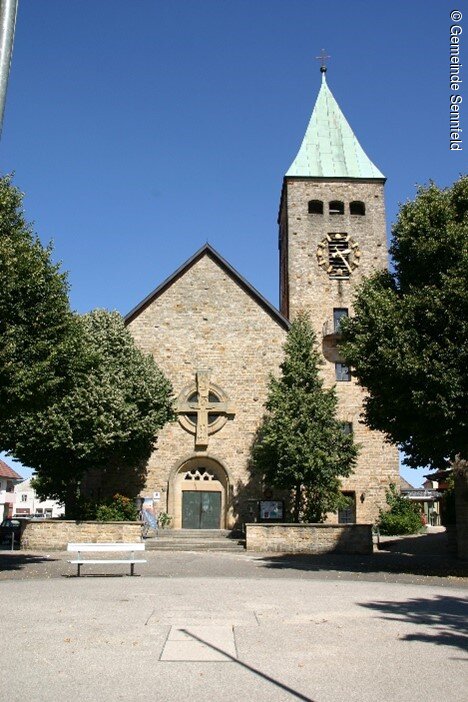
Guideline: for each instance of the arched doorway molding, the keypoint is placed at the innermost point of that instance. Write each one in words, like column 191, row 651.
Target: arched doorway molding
column 198, row 473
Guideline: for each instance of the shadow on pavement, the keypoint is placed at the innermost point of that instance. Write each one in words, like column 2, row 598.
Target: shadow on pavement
column 445, row 614
column 430, row 544
column 17, row 561
column 381, row 562
column 424, row 554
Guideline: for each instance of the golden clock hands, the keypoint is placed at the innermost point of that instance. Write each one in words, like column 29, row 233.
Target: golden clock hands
column 338, row 253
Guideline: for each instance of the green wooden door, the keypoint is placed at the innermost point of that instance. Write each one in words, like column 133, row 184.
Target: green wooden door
column 201, row 510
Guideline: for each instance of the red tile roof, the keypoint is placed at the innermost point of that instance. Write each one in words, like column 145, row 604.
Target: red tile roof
column 7, row 472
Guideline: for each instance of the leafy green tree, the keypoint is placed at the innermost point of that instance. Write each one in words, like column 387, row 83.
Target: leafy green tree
column 407, row 339
column 36, row 325
column 79, row 402
column 301, row 445
column 97, row 438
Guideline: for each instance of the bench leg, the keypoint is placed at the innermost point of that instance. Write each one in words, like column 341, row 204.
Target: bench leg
column 79, row 569
column 132, row 566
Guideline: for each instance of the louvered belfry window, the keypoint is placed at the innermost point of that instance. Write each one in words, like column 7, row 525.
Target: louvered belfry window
column 338, row 255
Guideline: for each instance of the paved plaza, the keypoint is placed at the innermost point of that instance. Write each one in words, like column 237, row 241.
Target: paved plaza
column 204, row 626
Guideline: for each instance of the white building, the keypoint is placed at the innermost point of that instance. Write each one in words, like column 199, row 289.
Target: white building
column 27, row 503
column 8, row 479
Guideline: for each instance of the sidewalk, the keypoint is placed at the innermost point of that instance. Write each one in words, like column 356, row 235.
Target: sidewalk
column 421, row 559
column 230, row 638
column 238, row 626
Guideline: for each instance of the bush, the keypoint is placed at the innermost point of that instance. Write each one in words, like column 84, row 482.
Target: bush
column 164, row 520
column 118, row 509
column 403, row 517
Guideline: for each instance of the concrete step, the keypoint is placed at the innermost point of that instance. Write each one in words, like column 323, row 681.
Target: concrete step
column 176, row 545
column 198, row 533
column 195, row 540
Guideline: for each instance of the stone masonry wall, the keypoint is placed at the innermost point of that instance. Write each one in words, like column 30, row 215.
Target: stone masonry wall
column 55, row 534
column 309, row 288
column 206, row 320
column 309, row 538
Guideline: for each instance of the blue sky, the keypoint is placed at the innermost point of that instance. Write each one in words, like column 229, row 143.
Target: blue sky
column 138, row 131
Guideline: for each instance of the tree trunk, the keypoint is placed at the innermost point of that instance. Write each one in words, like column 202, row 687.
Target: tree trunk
column 297, row 503
column 460, row 469
column 72, row 500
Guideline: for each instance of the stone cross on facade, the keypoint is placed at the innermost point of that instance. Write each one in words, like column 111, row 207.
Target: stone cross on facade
column 203, row 401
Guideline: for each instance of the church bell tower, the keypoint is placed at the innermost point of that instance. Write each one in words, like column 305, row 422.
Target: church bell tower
column 332, row 233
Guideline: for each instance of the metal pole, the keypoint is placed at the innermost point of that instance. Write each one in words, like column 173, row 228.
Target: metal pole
column 8, row 10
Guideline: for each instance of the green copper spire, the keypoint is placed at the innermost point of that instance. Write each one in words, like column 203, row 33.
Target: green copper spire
column 329, row 148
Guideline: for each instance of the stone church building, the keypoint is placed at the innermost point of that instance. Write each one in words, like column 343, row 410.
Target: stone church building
column 331, row 234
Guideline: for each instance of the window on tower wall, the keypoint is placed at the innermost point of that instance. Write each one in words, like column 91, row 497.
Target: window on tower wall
column 338, row 314
column 336, row 207
column 315, row 207
column 347, row 513
column 342, row 373
column 357, row 208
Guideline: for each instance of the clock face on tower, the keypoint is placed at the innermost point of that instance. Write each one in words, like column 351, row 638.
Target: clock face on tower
column 338, row 255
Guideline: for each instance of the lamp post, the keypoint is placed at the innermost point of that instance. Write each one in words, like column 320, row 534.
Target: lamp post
column 8, row 10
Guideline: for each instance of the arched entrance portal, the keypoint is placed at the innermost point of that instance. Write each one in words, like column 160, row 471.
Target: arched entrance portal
column 199, row 494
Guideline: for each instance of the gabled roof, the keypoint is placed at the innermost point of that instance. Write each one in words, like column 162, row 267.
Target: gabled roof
column 24, row 485
column 329, row 148
column 405, row 485
column 7, row 472
column 208, row 250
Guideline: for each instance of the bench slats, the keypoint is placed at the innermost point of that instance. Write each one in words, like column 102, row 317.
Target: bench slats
column 103, row 547
column 109, row 560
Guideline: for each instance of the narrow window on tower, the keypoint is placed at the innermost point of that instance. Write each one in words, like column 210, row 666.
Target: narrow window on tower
column 315, row 207
column 342, row 373
column 347, row 513
column 338, row 314
column 357, row 208
column 336, row 207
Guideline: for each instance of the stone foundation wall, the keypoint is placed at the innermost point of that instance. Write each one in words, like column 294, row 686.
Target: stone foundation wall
column 53, row 534
column 309, row 538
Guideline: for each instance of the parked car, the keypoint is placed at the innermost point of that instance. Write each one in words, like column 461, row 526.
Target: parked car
column 8, row 527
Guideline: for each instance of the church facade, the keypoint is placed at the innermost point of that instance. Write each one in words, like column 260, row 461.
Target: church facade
column 217, row 339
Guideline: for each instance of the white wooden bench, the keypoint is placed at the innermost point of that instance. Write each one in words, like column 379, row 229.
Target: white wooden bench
column 106, row 548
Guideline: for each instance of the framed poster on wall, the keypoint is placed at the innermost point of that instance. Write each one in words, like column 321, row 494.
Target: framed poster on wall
column 271, row 510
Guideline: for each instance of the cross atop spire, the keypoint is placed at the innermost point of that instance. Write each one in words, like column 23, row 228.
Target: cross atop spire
column 323, row 58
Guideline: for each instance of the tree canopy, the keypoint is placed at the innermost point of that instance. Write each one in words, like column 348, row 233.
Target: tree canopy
column 407, row 340
column 36, row 324
column 78, row 400
column 301, row 446
column 106, row 424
